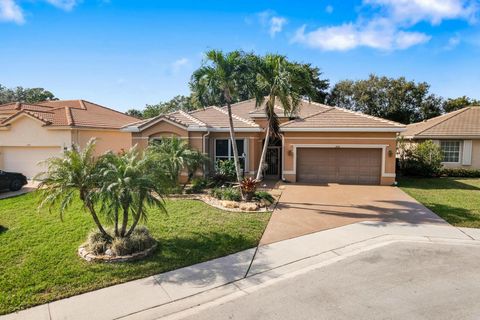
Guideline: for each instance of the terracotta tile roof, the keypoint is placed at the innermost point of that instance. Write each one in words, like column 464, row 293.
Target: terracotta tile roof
column 461, row 123
column 333, row 117
column 309, row 115
column 71, row 113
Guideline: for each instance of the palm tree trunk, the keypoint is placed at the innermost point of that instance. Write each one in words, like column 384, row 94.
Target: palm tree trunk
column 97, row 221
column 116, row 222
column 135, row 220
column 234, row 143
column 125, row 221
column 264, row 153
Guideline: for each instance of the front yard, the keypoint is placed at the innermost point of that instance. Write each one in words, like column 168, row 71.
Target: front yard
column 38, row 260
column 455, row 200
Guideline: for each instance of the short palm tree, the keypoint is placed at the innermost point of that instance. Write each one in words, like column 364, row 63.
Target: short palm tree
column 129, row 188
column 77, row 172
column 278, row 79
column 222, row 75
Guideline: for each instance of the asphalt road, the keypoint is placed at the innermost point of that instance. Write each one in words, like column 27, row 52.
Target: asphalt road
column 399, row 281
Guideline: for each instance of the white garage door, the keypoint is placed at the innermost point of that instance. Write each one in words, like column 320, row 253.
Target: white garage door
column 26, row 159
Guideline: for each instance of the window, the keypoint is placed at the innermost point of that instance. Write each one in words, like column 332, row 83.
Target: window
column 450, row 150
column 224, row 150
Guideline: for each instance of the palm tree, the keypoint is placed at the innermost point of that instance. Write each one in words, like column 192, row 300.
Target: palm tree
column 78, row 171
column 278, row 79
column 222, row 75
column 128, row 187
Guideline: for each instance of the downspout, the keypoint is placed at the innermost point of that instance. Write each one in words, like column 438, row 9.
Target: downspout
column 204, row 146
column 283, row 155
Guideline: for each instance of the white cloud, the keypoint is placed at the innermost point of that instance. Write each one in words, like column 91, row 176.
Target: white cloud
column 179, row 64
column 433, row 11
column 66, row 5
column 329, row 9
column 272, row 21
column 377, row 34
column 11, row 12
column 452, row 42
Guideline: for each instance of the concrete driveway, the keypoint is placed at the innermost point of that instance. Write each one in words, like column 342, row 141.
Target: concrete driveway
column 304, row 209
column 29, row 187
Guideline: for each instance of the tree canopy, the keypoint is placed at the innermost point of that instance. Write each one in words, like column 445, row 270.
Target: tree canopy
column 27, row 95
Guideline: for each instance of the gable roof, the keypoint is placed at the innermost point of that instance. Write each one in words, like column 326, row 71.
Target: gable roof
column 311, row 116
column 67, row 113
column 460, row 123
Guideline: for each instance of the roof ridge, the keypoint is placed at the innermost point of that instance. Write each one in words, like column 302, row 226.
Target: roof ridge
column 253, row 124
column 68, row 113
column 452, row 114
column 33, row 114
column 312, row 115
column 201, row 123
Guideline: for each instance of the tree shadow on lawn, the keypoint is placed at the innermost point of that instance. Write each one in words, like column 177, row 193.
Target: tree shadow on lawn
column 456, row 215
column 3, row 229
column 436, row 183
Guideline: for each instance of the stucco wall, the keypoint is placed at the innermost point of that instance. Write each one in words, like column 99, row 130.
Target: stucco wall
column 337, row 139
column 115, row 141
column 158, row 130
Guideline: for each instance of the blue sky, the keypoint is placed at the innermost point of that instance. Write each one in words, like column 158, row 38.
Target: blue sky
column 126, row 54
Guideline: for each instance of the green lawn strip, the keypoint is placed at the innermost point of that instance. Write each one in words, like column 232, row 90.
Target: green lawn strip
column 38, row 260
column 455, row 200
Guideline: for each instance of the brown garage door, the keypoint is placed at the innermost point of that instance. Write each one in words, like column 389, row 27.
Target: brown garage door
column 339, row 165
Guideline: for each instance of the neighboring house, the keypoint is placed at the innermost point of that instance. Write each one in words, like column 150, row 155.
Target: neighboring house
column 31, row 133
column 321, row 144
column 457, row 133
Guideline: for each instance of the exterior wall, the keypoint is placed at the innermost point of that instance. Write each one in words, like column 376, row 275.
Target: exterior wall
column 158, row 130
column 115, row 141
column 475, row 164
column 386, row 141
column 28, row 132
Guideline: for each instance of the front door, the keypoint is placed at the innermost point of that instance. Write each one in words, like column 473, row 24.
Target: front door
column 273, row 162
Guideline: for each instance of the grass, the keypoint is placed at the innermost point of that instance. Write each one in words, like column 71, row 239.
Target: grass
column 38, row 260
column 455, row 200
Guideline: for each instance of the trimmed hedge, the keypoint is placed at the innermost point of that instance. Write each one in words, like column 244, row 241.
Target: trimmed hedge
column 460, row 172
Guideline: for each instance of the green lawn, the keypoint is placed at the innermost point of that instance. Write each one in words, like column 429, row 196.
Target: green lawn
column 38, row 260
column 455, row 200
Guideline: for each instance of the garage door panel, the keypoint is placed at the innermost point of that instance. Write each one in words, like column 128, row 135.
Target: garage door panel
column 27, row 160
column 339, row 165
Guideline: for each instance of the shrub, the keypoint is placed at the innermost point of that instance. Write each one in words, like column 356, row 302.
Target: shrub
column 264, row 197
column 460, row 172
column 230, row 193
column 97, row 242
column 198, row 185
column 139, row 240
column 248, row 186
column 226, row 168
column 424, row 159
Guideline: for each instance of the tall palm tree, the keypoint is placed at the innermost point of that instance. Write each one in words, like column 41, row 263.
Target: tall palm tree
column 278, row 79
column 222, row 75
column 78, row 171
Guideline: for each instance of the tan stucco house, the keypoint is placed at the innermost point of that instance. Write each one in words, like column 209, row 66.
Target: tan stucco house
column 320, row 144
column 457, row 133
column 31, row 133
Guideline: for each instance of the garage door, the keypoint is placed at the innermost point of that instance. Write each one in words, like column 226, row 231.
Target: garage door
column 339, row 165
column 26, row 159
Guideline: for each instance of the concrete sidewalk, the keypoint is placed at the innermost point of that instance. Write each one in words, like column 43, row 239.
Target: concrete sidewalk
column 178, row 290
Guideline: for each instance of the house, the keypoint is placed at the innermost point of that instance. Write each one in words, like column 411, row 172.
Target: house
column 321, row 144
column 457, row 133
column 31, row 133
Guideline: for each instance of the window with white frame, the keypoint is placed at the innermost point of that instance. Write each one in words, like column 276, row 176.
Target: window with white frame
column 224, row 150
column 450, row 150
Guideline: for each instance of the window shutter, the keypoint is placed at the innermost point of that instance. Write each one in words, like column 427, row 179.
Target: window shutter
column 467, row 153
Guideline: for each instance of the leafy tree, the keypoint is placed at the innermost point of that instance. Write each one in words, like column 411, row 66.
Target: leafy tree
column 279, row 79
column 394, row 99
column 459, row 103
column 222, row 75
column 27, row 95
column 423, row 159
column 135, row 113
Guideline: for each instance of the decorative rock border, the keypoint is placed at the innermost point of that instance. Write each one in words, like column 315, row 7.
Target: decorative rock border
column 91, row 257
column 233, row 206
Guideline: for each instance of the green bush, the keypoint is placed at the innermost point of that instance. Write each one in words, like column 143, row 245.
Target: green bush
column 226, row 168
column 97, row 242
column 423, row 159
column 264, row 197
column 230, row 193
column 198, row 185
column 460, row 172
column 139, row 240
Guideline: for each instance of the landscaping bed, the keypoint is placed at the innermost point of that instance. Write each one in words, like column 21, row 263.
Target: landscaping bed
column 38, row 253
column 455, row 200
